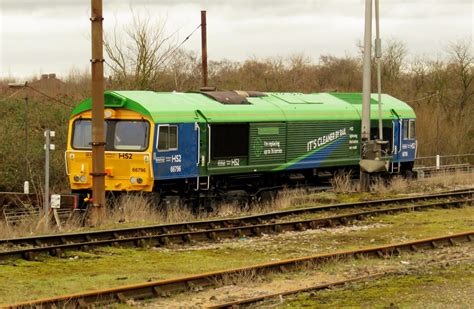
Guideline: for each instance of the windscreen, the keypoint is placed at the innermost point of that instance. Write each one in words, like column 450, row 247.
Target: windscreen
column 82, row 134
column 121, row 135
column 131, row 135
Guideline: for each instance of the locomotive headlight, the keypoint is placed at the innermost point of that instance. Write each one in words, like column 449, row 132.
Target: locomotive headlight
column 108, row 113
column 133, row 180
column 77, row 178
column 83, row 178
column 139, row 180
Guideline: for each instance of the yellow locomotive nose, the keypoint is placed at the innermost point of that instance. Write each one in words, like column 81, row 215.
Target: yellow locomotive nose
column 127, row 157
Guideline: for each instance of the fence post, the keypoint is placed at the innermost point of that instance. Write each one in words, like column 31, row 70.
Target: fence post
column 438, row 161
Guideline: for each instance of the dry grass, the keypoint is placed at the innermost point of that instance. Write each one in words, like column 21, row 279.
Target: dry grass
column 243, row 277
column 135, row 209
column 131, row 208
column 444, row 181
column 140, row 208
column 36, row 224
column 397, row 184
column 342, row 183
column 29, row 225
column 284, row 199
column 450, row 179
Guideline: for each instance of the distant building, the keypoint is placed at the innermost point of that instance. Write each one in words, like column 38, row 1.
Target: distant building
column 49, row 84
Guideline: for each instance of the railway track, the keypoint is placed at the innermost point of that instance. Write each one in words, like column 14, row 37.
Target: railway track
column 243, row 303
column 162, row 235
column 167, row 287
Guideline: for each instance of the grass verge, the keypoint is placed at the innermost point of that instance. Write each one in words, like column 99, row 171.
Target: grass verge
column 22, row 280
column 435, row 287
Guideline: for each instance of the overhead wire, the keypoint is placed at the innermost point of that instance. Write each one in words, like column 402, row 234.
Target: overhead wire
column 424, row 98
column 169, row 52
column 11, row 95
column 48, row 96
column 189, row 36
column 184, row 41
column 38, row 91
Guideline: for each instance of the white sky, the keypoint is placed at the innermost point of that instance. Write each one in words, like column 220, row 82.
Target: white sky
column 43, row 36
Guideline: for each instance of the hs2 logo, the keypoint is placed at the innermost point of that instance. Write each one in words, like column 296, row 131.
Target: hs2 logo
column 125, row 156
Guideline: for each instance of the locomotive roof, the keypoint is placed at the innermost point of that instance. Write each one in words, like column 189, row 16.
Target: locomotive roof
column 169, row 107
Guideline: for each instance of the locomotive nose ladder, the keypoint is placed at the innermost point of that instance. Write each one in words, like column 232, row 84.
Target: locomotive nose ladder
column 203, row 185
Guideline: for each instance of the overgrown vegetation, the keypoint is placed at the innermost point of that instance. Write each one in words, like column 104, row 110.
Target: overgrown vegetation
column 441, row 90
column 108, row 267
column 138, row 209
column 450, row 286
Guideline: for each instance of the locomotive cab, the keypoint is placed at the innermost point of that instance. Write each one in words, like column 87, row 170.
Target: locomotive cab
column 404, row 145
column 128, row 151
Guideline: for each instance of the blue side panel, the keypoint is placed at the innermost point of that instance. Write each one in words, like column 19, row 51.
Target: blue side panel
column 404, row 147
column 315, row 159
column 180, row 163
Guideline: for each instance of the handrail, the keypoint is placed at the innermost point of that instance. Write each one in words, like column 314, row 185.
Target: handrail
column 209, row 146
column 196, row 126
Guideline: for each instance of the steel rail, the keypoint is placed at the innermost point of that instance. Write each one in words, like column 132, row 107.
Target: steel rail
column 220, row 233
column 248, row 301
column 206, row 280
column 242, row 303
column 113, row 234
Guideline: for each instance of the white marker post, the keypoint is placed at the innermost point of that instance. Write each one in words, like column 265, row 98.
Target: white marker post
column 48, row 134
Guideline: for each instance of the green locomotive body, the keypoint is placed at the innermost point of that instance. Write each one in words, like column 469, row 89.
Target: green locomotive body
column 206, row 142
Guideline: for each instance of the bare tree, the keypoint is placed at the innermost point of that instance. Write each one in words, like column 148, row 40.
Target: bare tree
column 394, row 53
column 463, row 71
column 138, row 54
column 185, row 69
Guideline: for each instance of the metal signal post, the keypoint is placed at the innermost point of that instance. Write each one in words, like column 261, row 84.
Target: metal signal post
column 373, row 152
column 366, row 90
column 98, row 137
column 204, row 48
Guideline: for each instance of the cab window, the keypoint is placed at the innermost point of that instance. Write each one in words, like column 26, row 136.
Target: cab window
column 405, row 129
column 82, row 134
column 167, row 138
column 131, row 135
column 411, row 130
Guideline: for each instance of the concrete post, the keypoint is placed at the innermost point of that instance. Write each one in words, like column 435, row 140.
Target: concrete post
column 366, row 91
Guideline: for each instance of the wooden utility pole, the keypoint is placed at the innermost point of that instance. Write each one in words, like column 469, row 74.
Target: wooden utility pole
column 204, row 48
column 97, row 211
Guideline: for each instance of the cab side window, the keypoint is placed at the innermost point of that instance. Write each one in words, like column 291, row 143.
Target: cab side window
column 411, row 129
column 405, row 129
column 167, row 138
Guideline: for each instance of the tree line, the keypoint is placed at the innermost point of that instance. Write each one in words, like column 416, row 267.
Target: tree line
column 440, row 89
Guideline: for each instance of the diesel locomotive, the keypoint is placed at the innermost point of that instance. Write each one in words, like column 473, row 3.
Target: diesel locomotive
column 231, row 144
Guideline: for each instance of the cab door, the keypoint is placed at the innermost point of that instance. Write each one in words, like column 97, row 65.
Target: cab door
column 396, row 139
column 408, row 141
column 404, row 140
column 176, row 151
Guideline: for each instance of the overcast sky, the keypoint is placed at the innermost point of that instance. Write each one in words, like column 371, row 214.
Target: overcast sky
column 43, row 36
